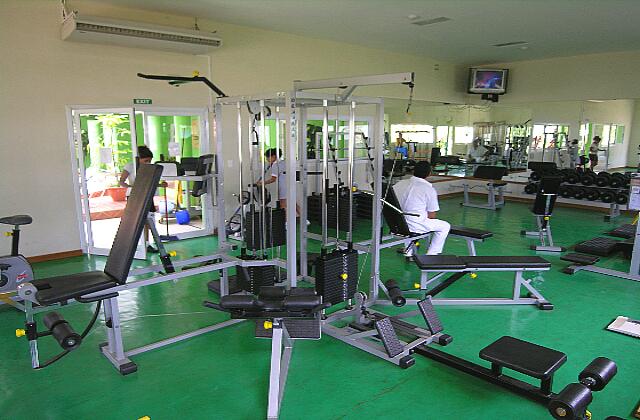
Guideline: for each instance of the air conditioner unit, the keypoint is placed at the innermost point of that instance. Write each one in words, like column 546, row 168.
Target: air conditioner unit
column 138, row 35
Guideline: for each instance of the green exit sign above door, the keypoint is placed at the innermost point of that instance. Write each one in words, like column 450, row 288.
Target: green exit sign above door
column 142, row 101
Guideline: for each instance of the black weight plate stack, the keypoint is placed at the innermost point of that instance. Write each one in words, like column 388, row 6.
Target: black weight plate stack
column 364, row 205
column 252, row 279
column 331, row 282
column 275, row 229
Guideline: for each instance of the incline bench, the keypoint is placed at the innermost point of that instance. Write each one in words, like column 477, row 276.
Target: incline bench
column 441, row 265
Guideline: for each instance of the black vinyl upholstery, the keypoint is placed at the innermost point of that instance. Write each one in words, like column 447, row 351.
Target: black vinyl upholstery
column 395, row 220
column 273, row 302
column 132, row 222
column 524, row 357
column 17, row 220
column 470, row 232
column 62, row 288
column 452, row 262
column 490, row 172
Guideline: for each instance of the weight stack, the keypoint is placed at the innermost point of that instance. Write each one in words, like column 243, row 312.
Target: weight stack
column 276, row 234
column 337, row 275
column 252, row 279
column 314, row 213
column 364, row 206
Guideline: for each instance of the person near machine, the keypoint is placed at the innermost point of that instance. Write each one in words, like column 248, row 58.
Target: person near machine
column 416, row 195
column 128, row 177
column 477, row 152
column 275, row 172
column 574, row 154
column 593, row 151
column 401, row 147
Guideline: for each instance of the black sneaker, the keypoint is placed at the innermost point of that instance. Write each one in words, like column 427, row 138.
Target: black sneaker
column 152, row 250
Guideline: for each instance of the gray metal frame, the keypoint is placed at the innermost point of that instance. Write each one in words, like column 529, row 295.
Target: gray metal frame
column 515, row 299
column 492, row 192
column 544, row 235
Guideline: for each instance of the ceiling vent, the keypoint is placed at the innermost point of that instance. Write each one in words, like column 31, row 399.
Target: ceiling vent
column 510, row 44
column 138, row 35
column 425, row 22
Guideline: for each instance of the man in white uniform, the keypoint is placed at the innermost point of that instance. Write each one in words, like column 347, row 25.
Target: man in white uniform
column 417, row 195
column 276, row 172
column 477, row 151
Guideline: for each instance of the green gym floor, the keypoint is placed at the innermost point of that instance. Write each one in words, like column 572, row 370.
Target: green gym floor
column 224, row 374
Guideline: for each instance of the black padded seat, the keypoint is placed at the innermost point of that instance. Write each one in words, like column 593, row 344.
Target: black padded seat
column 238, row 302
column 301, row 302
column 17, row 220
column 498, row 183
column 272, row 302
column 470, row 232
column 506, row 262
column 524, row 357
column 439, row 262
column 56, row 289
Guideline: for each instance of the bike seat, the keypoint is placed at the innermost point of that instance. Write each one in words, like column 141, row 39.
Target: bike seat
column 17, row 220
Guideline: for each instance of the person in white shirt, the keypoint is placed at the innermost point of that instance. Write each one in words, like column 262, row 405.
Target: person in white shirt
column 276, row 171
column 593, row 152
column 477, row 151
column 416, row 195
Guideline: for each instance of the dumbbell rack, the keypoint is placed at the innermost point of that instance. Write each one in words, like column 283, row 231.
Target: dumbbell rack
column 574, row 186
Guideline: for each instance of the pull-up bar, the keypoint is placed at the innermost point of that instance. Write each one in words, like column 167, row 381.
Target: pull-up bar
column 179, row 80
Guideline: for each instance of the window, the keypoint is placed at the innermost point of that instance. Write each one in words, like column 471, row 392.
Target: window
column 419, row 133
column 463, row 135
column 549, row 136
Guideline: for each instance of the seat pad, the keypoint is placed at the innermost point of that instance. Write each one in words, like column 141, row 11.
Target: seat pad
column 17, row 220
column 500, row 261
column 439, row 262
column 470, row 232
column 61, row 288
column 524, row 357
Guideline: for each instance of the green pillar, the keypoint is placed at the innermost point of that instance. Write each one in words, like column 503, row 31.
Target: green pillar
column 94, row 132
column 158, row 136
column 139, row 130
column 182, row 127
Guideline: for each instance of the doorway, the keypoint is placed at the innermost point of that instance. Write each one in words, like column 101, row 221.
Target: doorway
column 103, row 140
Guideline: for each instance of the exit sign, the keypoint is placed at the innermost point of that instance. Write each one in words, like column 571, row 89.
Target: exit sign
column 142, row 101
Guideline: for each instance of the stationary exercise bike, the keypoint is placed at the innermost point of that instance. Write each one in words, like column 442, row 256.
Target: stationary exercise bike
column 14, row 268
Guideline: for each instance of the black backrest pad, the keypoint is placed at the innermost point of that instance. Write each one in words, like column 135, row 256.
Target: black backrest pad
column 546, row 196
column 396, row 221
column 132, row 222
column 490, row 172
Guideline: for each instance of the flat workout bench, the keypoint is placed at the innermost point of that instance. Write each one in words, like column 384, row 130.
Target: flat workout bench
column 459, row 266
column 530, row 359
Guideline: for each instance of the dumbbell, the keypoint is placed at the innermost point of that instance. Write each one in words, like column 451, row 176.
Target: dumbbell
column 603, row 179
column 566, row 191
column 531, row 188
column 608, row 196
column 588, row 178
column 579, row 193
column 622, row 198
column 535, row 176
column 618, row 180
column 592, row 194
column 572, row 402
column 573, row 177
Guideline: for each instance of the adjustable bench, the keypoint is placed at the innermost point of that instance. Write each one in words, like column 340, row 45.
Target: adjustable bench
column 542, row 210
column 495, row 187
column 441, row 265
column 286, row 315
column 95, row 286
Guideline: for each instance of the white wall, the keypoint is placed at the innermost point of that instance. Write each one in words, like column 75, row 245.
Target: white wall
column 42, row 74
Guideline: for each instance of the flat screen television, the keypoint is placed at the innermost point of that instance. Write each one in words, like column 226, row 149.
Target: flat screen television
column 491, row 81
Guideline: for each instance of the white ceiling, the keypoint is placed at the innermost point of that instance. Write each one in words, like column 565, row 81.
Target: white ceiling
column 553, row 28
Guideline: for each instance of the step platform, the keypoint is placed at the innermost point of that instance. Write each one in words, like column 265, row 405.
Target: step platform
column 527, row 358
column 580, row 259
column 602, row 247
column 624, row 231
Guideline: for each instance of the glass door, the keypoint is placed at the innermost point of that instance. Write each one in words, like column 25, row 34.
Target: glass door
column 180, row 136
column 103, row 149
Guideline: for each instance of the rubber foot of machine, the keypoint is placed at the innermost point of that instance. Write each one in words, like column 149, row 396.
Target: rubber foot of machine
column 128, row 368
column 545, row 306
column 406, row 362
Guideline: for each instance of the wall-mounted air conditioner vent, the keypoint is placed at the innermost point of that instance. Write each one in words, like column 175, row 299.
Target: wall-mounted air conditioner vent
column 137, row 35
